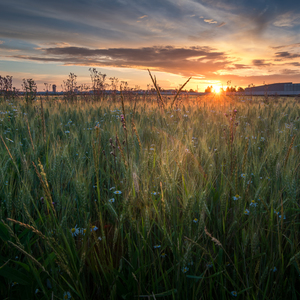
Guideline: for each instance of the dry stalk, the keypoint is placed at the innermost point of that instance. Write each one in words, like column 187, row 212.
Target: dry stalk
column 289, row 151
column 31, row 141
column 29, row 256
column 217, row 242
column 136, row 134
column 28, row 227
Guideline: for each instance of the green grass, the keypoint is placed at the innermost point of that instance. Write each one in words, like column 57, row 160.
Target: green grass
column 175, row 231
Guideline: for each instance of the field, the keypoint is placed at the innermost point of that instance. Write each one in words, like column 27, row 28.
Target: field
column 129, row 198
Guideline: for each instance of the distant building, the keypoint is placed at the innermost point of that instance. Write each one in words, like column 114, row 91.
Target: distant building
column 281, row 89
column 54, row 88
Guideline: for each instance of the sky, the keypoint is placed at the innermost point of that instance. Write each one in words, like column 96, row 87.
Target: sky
column 235, row 42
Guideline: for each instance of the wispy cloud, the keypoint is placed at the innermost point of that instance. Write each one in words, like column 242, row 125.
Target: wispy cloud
column 210, row 21
column 221, row 24
column 260, row 63
column 286, row 55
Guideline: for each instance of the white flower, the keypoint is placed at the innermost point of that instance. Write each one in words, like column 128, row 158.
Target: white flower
column 253, row 203
column 94, row 228
column 112, row 188
column 74, row 230
column 83, row 231
column 157, row 246
column 117, row 192
column 185, row 269
column 236, row 197
column 67, row 295
column 112, row 200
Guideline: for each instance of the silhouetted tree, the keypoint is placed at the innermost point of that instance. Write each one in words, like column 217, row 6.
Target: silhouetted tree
column 209, row 89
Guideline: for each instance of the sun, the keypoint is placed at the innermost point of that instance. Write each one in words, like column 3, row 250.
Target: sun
column 217, row 89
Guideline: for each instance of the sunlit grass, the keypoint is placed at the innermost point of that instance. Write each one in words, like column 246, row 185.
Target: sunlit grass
column 201, row 202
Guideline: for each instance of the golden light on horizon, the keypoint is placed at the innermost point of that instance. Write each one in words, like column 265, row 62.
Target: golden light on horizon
column 217, row 89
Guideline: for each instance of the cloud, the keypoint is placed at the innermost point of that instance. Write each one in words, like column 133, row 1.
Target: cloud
column 296, row 64
column 1, row 42
column 288, row 19
column 286, row 55
column 210, row 21
column 221, row 24
column 295, row 45
column 142, row 17
column 238, row 67
column 185, row 61
column 260, row 63
column 290, row 72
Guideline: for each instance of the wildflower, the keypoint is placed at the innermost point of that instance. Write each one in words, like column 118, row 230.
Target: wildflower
column 83, row 231
column 163, row 255
column 14, row 283
column 209, row 265
column 94, row 228
column 67, row 295
column 274, row 269
column 152, row 149
column 195, row 220
column 283, row 217
column 249, row 181
column 259, row 199
column 236, row 197
column 268, row 178
column 67, row 131
column 234, row 293
column 112, row 200
column 243, row 175
column 276, row 212
column 246, row 212
column 154, row 193
column 253, row 203
column 36, row 291
column 74, row 230
column 185, row 269
column 99, row 238
column 157, row 246
column 112, row 188
column 117, row 192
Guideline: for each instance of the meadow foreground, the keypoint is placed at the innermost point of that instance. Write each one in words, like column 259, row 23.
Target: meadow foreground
column 141, row 199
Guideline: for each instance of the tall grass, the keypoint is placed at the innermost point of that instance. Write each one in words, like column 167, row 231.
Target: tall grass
column 178, row 203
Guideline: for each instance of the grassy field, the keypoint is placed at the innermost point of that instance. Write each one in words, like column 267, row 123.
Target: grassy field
column 141, row 200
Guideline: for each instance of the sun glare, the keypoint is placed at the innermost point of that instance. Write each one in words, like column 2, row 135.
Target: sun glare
column 217, row 89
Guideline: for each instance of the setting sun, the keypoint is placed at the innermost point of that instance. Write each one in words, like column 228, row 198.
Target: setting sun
column 217, row 89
